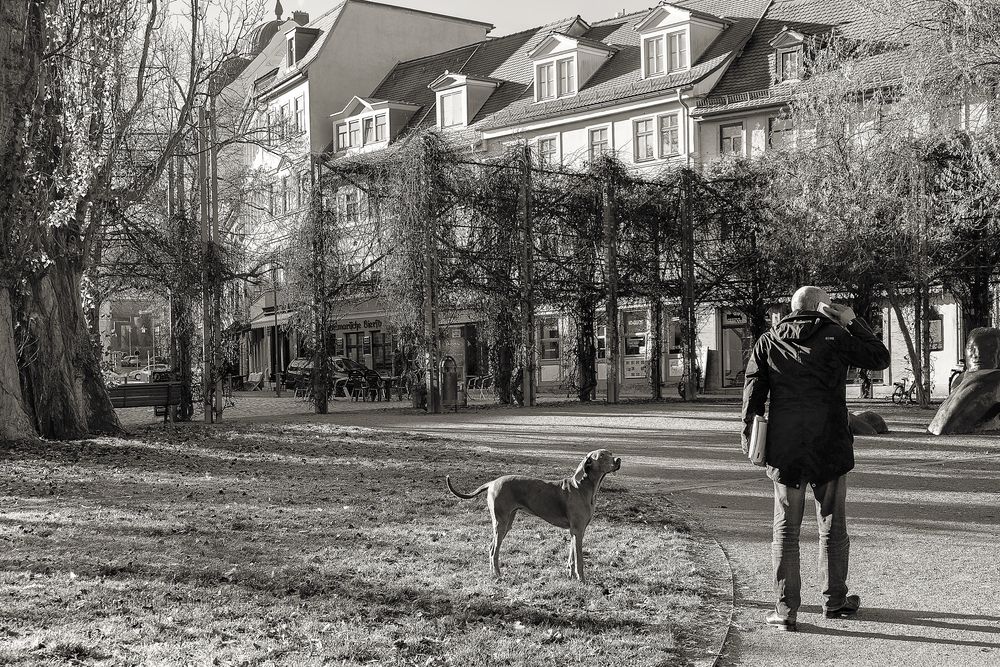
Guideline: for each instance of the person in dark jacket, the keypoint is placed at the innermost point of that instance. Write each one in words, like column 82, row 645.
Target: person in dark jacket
column 802, row 364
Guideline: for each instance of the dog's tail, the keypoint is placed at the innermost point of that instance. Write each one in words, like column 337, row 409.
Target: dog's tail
column 467, row 496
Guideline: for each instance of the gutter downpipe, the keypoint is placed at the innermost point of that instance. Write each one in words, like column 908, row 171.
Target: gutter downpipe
column 688, row 130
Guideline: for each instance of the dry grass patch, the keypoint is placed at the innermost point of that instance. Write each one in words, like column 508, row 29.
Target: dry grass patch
column 314, row 544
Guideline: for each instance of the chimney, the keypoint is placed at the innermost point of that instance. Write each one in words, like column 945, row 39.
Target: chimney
column 301, row 18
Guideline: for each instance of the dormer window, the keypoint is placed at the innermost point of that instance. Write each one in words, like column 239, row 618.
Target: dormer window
column 788, row 64
column 297, row 44
column 367, row 124
column 563, row 63
column 788, row 45
column 666, row 54
column 452, row 111
column 556, row 79
column 668, row 32
column 460, row 97
column 359, row 132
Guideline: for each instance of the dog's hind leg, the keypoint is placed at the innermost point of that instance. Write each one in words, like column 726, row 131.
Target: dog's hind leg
column 501, row 524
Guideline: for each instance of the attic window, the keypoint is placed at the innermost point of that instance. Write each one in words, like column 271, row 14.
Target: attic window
column 452, row 113
column 555, row 79
column 789, row 62
column 665, row 53
column 290, row 50
column 788, row 53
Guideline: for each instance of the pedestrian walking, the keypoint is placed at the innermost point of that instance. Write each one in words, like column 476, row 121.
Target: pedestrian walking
column 802, row 364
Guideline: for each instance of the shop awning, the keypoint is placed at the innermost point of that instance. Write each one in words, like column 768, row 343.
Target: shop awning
column 265, row 321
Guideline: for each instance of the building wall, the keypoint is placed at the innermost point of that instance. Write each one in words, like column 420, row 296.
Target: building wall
column 946, row 349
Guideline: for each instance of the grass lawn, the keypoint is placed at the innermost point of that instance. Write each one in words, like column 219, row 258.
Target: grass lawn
column 300, row 544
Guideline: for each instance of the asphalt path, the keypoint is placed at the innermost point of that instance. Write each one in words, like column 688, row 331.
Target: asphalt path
column 923, row 518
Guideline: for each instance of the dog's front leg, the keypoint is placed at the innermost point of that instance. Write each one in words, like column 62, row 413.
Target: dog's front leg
column 577, row 554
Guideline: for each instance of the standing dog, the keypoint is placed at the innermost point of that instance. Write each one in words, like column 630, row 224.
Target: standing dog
column 567, row 503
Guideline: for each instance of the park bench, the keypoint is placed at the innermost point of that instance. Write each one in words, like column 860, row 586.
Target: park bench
column 147, row 394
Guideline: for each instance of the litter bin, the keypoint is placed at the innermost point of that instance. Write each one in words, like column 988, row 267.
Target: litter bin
column 449, row 383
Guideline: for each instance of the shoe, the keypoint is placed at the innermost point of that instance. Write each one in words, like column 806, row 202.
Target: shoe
column 774, row 620
column 850, row 607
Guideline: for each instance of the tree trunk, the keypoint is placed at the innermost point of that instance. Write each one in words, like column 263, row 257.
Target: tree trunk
column 908, row 339
column 70, row 398
column 14, row 421
column 586, row 351
column 182, row 332
column 56, row 386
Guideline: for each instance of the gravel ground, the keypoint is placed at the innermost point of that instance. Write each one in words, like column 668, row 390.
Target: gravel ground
column 923, row 521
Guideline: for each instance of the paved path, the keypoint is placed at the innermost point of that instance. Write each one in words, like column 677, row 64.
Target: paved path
column 923, row 518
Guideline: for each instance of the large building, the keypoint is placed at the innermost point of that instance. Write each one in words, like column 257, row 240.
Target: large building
column 307, row 70
column 682, row 83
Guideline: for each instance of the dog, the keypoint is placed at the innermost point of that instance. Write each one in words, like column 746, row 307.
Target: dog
column 567, row 503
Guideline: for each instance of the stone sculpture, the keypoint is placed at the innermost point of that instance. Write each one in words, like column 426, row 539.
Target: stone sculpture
column 974, row 402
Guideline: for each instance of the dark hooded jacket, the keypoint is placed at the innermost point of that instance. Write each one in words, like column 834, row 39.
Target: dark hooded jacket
column 802, row 363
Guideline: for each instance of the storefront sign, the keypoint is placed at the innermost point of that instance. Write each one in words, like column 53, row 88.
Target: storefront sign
column 358, row 325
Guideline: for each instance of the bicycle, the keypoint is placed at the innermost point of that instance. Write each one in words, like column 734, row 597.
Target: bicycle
column 902, row 393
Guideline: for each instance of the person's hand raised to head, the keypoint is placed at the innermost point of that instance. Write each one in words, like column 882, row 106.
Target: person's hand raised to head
column 839, row 313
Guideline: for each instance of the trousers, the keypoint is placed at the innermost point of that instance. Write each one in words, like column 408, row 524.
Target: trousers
column 834, row 543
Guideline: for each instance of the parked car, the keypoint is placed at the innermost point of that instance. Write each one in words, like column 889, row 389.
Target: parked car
column 129, row 361
column 344, row 373
column 146, row 374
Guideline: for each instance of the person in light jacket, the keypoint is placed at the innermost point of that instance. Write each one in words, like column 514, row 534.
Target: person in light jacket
column 802, row 365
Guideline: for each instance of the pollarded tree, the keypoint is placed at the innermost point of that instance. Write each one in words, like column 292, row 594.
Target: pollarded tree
column 114, row 93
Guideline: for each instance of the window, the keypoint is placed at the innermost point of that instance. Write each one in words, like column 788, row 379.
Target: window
column 270, row 199
column 382, row 346
column 654, row 56
column 645, row 144
column 451, row 109
column 555, row 79
column 548, row 149
column 731, row 139
column 670, row 140
column 546, row 77
column 369, row 130
column 636, row 332
column 300, row 114
column 567, row 77
column 342, row 141
column 354, row 133
column 548, row 338
column 283, row 119
column 788, row 65
column 353, row 348
column 290, row 51
column 779, row 132
column 304, row 183
column 678, row 51
column 380, row 127
column 286, row 195
column 598, row 142
column 350, row 206
column 602, row 340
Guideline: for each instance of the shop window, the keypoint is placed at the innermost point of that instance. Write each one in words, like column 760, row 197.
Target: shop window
column 636, row 334
column 382, row 347
column 354, row 347
column 548, row 338
column 676, row 340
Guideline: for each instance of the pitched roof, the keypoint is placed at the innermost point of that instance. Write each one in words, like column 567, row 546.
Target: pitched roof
column 750, row 83
column 617, row 81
